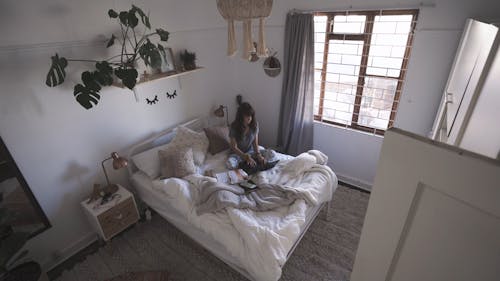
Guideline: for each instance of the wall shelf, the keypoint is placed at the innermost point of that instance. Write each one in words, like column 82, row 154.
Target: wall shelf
column 152, row 77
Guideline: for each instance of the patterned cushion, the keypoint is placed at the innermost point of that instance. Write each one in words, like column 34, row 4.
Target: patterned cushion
column 218, row 138
column 183, row 163
column 176, row 162
column 188, row 138
column 166, row 162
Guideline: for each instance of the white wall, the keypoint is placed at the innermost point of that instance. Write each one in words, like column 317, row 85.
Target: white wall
column 58, row 145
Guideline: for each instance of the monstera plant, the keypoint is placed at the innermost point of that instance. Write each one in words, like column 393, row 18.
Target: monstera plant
column 135, row 45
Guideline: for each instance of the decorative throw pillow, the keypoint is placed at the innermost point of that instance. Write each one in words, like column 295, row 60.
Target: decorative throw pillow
column 218, row 138
column 186, row 137
column 166, row 162
column 183, row 163
column 176, row 162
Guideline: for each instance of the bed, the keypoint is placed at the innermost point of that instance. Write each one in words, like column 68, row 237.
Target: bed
column 256, row 244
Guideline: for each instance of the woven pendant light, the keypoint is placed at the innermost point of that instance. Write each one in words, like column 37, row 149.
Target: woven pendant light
column 245, row 11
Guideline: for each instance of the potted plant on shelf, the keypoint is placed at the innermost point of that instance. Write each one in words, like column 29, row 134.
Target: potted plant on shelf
column 11, row 243
column 134, row 45
column 188, row 60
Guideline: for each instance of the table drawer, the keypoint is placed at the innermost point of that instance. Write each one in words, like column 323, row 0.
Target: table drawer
column 118, row 218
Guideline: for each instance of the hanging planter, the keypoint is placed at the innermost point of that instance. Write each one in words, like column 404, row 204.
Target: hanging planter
column 272, row 65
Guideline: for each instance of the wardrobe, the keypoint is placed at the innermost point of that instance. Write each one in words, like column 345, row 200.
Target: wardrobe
column 468, row 114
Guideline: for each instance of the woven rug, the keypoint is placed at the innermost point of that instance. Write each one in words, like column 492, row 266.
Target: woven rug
column 142, row 276
column 326, row 252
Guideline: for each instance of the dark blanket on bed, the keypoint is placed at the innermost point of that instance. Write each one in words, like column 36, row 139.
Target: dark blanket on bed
column 215, row 196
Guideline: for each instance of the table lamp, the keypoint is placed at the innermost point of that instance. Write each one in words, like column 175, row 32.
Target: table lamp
column 118, row 163
column 219, row 112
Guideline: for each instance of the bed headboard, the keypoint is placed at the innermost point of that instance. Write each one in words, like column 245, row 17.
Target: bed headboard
column 161, row 138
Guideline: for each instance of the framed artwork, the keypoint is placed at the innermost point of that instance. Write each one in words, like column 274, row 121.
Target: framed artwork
column 168, row 62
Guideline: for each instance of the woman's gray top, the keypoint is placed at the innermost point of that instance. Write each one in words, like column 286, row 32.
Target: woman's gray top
column 245, row 144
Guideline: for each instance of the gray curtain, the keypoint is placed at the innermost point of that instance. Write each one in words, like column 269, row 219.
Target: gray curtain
column 295, row 133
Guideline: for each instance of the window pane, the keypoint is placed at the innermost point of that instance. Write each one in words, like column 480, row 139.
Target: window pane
column 377, row 101
column 320, row 23
column 340, row 67
column 319, row 40
column 388, row 45
column 349, row 24
column 341, row 80
column 317, row 90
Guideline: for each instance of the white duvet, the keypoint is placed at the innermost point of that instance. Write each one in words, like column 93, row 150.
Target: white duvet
column 260, row 241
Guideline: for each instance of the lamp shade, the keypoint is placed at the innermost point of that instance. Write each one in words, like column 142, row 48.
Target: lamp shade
column 118, row 161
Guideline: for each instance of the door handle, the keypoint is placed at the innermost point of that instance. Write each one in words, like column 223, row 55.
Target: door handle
column 449, row 98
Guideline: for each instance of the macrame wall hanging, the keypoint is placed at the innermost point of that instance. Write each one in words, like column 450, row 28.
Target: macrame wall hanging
column 245, row 11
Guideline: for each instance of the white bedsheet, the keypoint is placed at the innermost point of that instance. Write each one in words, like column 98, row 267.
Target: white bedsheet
column 260, row 241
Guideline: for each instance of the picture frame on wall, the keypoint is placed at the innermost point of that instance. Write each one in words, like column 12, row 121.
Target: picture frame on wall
column 168, row 62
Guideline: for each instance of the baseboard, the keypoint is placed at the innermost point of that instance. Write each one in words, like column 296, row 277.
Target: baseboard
column 64, row 254
column 366, row 186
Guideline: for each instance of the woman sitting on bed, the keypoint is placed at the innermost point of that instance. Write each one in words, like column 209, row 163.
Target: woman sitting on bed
column 244, row 142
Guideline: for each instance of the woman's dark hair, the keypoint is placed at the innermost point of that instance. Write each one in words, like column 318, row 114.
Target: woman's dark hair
column 245, row 109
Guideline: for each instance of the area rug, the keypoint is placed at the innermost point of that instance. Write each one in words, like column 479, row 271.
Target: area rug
column 142, row 276
column 326, row 252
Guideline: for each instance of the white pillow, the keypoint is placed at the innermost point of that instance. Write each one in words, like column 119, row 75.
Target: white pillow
column 198, row 141
column 149, row 162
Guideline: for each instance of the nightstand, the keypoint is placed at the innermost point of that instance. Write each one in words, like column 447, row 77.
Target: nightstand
column 114, row 216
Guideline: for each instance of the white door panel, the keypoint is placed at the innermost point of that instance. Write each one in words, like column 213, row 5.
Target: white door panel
column 434, row 214
column 469, row 63
column 436, row 226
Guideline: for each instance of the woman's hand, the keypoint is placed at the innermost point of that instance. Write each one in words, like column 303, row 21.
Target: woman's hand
column 249, row 160
column 260, row 159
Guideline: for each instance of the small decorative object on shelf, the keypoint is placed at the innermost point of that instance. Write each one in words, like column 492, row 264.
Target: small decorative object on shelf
column 188, row 60
column 123, row 66
column 110, row 217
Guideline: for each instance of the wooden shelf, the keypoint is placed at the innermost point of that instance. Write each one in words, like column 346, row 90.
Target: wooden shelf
column 152, row 77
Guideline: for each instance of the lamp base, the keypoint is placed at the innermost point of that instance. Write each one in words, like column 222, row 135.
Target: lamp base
column 110, row 189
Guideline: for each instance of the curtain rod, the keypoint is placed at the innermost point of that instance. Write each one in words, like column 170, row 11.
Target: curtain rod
column 353, row 9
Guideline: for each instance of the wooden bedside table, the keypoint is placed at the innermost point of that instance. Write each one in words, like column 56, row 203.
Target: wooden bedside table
column 114, row 216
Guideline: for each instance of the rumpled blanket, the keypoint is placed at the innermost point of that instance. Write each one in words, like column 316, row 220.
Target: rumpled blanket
column 259, row 240
column 215, row 196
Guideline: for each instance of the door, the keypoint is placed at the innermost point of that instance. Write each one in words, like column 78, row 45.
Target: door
column 465, row 80
column 470, row 60
column 433, row 215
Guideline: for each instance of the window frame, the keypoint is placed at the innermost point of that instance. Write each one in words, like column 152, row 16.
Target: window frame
column 366, row 38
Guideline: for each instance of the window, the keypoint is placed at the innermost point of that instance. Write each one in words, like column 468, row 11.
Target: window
column 360, row 64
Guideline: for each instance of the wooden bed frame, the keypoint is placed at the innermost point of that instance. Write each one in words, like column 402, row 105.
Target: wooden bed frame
column 195, row 234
